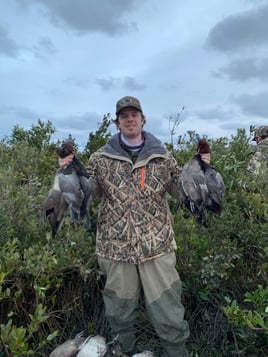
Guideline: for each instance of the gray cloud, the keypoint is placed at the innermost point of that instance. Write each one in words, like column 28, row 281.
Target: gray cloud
column 243, row 69
column 16, row 115
column 127, row 82
column 164, row 63
column 77, row 82
column 211, row 114
column 44, row 46
column 130, row 83
column 90, row 16
column 8, row 46
column 244, row 30
column 231, row 125
column 256, row 1
column 80, row 122
column 106, row 83
column 252, row 104
column 21, row 112
column 79, row 126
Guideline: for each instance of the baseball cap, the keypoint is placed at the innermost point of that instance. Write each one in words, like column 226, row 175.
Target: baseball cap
column 126, row 102
column 260, row 131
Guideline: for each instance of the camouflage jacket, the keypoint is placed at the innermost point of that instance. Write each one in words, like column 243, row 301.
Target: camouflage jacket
column 134, row 221
column 259, row 160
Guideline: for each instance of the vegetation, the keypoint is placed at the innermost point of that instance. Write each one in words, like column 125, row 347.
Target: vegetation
column 50, row 288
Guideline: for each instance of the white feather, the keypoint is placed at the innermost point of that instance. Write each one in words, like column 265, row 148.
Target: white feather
column 93, row 347
column 144, row 354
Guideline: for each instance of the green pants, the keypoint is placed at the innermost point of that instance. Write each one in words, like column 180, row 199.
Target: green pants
column 161, row 287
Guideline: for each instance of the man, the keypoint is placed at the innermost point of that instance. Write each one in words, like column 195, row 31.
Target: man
column 135, row 240
column 259, row 160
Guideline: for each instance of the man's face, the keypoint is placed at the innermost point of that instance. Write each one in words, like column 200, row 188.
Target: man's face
column 258, row 139
column 130, row 122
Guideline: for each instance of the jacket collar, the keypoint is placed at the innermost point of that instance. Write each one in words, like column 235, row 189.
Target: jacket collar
column 152, row 146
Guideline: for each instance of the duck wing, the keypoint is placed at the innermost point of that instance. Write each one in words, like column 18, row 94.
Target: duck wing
column 193, row 187
column 54, row 208
column 201, row 188
column 70, row 187
column 216, row 190
column 86, row 185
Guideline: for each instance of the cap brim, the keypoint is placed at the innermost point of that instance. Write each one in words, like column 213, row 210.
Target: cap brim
column 128, row 106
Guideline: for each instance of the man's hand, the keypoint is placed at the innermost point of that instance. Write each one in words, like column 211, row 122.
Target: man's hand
column 203, row 150
column 63, row 161
column 205, row 158
column 66, row 153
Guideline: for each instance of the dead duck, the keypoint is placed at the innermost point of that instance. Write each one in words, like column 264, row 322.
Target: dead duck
column 71, row 190
column 201, row 186
column 76, row 188
column 54, row 209
column 68, row 348
column 92, row 346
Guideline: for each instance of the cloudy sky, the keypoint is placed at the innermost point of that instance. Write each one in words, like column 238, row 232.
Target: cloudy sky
column 69, row 61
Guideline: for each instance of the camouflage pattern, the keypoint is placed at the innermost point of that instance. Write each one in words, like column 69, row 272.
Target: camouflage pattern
column 127, row 102
column 261, row 131
column 135, row 222
column 259, row 161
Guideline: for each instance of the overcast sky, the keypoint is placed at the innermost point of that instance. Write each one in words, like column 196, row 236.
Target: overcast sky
column 69, row 61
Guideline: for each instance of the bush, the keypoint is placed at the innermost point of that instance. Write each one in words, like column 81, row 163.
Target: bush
column 50, row 288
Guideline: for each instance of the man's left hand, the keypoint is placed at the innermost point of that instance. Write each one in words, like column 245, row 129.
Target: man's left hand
column 205, row 158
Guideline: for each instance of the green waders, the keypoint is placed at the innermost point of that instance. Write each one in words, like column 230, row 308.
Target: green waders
column 161, row 285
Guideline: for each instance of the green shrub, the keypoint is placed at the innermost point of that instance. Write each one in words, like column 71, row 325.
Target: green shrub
column 50, row 288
